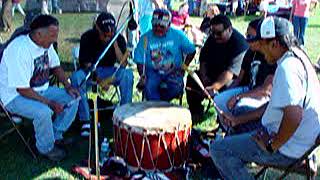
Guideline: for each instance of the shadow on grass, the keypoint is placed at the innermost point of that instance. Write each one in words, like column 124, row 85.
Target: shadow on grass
column 314, row 26
column 17, row 162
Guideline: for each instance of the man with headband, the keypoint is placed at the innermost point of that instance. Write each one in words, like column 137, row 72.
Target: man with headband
column 160, row 55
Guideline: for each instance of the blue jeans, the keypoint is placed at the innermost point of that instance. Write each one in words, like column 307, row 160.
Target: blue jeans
column 163, row 87
column 231, row 154
column 299, row 27
column 46, row 129
column 123, row 79
column 244, row 105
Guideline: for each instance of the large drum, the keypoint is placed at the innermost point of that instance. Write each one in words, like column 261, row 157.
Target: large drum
column 152, row 135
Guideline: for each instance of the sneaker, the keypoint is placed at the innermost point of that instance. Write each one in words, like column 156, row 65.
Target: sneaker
column 16, row 119
column 85, row 129
column 56, row 154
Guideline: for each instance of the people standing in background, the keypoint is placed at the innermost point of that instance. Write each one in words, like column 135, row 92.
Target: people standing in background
column 16, row 5
column 300, row 13
column 145, row 11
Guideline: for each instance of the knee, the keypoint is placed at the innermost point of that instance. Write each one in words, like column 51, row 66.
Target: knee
column 128, row 75
column 77, row 77
column 43, row 113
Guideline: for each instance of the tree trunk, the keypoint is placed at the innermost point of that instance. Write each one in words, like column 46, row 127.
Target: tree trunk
column 6, row 16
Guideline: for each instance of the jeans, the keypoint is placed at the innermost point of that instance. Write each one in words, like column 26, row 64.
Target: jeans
column 231, row 154
column 123, row 79
column 46, row 129
column 163, row 87
column 299, row 27
column 244, row 105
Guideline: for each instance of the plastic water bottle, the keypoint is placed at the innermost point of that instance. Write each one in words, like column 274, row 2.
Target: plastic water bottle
column 104, row 151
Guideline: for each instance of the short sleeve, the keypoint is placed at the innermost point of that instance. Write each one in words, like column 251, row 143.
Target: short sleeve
column 288, row 83
column 235, row 65
column 19, row 67
column 53, row 57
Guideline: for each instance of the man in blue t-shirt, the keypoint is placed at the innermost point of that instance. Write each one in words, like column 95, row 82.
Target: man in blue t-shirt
column 159, row 57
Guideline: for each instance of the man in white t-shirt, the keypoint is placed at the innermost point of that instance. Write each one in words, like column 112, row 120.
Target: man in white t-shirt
column 290, row 122
column 25, row 90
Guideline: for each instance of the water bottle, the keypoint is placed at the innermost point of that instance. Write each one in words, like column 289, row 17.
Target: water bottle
column 104, row 151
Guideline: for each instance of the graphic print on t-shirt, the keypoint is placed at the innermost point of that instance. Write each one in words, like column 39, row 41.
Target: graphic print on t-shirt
column 162, row 58
column 254, row 71
column 40, row 74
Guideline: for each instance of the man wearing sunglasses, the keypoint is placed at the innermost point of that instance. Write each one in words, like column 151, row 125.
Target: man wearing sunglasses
column 92, row 44
column 249, row 91
column 220, row 62
column 160, row 55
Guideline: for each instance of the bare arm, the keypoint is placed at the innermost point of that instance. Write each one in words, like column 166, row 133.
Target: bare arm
column 222, row 80
column 119, row 54
column 60, row 74
column 261, row 91
column 31, row 94
column 237, row 81
column 254, row 115
column 292, row 116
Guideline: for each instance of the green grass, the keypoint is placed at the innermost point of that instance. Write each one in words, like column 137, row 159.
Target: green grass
column 16, row 163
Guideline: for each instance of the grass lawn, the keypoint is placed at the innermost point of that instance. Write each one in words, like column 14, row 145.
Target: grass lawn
column 16, row 163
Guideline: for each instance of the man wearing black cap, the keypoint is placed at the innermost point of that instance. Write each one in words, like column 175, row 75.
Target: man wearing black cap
column 220, row 62
column 290, row 122
column 25, row 90
column 92, row 44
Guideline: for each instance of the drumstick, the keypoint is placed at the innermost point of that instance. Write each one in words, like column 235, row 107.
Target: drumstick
column 145, row 43
column 196, row 78
column 123, row 60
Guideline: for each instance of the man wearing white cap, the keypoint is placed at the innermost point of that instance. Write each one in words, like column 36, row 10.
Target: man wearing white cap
column 290, row 122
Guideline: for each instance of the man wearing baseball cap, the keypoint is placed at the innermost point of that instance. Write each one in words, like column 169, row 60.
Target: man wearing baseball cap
column 160, row 55
column 290, row 122
column 92, row 44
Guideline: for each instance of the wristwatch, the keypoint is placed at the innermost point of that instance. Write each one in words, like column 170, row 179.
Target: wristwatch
column 269, row 146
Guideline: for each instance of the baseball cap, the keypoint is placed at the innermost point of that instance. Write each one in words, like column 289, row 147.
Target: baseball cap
column 106, row 22
column 272, row 27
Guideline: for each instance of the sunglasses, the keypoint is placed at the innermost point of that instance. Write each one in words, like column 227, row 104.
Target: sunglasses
column 217, row 33
column 250, row 36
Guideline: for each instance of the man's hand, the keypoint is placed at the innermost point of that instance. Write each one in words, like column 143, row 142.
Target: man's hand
column 232, row 102
column 261, row 138
column 141, row 83
column 230, row 120
column 211, row 90
column 105, row 83
column 73, row 92
column 56, row 107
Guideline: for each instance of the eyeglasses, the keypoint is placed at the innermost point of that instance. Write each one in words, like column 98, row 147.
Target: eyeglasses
column 217, row 33
column 250, row 36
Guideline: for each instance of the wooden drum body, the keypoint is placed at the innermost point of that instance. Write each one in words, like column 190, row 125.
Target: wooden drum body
column 152, row 135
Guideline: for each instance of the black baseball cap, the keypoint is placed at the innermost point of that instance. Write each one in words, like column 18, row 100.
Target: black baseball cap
column 106, row 22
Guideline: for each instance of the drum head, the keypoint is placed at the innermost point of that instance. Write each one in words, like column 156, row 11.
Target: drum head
column 152, row 116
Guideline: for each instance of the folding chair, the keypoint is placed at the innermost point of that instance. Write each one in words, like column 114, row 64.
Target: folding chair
column 14, row 128
column 305, row 165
